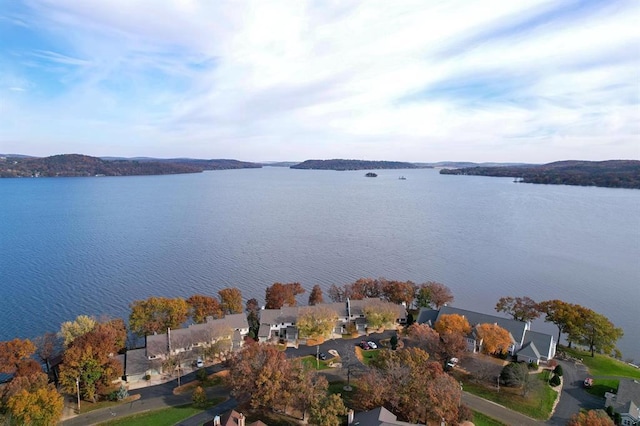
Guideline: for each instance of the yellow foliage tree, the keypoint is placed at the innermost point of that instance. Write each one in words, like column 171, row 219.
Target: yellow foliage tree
column 317, row 321
column 42, row 407
column 495, row 339
column 453, row 323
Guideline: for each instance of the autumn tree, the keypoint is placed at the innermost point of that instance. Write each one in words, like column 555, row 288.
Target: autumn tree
column 257, row 375
column 565, row 316
column 520, row 308
column 598, row 333
column 40, row 407
column 201, row 307
column 380, row 314
column 590, row 418
column 399, row 291
column 69, row 330
column 279, row 295
column 315, row 322
column 514, row 374
column 252, row 308
column 13, row 353
column 423, row 296
column 424, row 337
column 495, row 339
column 427, row 393
column 199, row 397
column 438, row 294
column 230, row 300
column 156, row 314
column 336, row 294
column 327, row 410
column 452, row 324
column 363, row 288
column 47, row 346
column 315, row 297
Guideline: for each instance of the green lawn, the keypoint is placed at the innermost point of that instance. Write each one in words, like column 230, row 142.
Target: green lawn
column 600, row 386
column 369, row 355
column 309, row 362
column 537, row 404
column 480, row 419
column 602, row 365
column 163, row 417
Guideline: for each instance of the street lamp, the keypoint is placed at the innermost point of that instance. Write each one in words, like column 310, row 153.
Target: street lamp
column 78, row 389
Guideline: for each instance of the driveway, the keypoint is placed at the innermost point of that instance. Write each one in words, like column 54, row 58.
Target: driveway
column 573, row 396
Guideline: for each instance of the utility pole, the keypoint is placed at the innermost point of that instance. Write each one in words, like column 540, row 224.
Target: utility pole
column 318, row 357
column 78, row 389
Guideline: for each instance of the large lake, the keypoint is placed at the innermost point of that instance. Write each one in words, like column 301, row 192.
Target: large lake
column 73, row 246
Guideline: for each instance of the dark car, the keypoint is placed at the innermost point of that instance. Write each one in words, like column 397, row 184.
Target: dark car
column 322, row 356
column 364, row 345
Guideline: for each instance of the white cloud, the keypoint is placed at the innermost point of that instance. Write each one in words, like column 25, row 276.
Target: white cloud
column 291, row 80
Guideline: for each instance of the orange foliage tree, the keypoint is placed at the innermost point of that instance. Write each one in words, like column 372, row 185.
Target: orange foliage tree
column 230, row 300
column 201, row 307
column 279, row 295
column 495, row 339
column 590, row 418
column 452, row 324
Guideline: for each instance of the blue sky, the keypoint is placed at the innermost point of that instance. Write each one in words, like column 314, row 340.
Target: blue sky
column 521, row 81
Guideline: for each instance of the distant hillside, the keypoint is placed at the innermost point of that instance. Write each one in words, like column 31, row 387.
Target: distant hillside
column 222, row 164
column 465, row 164
column 611, row 174
column 352, row 165
column 72, row 165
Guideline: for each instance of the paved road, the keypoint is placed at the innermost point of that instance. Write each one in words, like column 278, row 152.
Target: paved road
column 573, row 396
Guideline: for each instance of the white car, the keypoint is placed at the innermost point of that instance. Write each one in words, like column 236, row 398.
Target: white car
column 199, row 363
column 372, row 345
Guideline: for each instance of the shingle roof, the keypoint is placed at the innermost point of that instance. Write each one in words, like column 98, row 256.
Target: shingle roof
column 156, row 345
column 136, row 362
column 628, row 391
column 427, row 316
column 378, row 417
column 264, row 331
column 542, row 341
column 529, row 350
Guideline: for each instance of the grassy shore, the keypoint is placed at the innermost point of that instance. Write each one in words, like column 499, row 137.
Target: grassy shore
column 603, row 365
column 163, row 417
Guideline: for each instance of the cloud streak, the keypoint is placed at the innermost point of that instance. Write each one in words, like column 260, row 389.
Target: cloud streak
column 484, row 81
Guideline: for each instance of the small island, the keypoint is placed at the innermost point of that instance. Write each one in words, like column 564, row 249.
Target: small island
column 76, row 165
column 342, row 165
column 609, row 174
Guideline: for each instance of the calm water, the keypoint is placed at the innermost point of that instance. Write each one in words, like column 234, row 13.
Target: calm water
column 73, row 246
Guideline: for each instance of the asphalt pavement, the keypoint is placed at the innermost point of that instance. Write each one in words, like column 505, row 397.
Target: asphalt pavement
column 574, row 397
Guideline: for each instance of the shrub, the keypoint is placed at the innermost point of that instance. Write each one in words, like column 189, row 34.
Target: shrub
column 533, row 365
column 465, row 414
column 610, row 411
column 558, row 370
column 555, row 380
column 394, row 342
column 201, row 374
column 147, row 376
column 199, row 397
column 552, row 363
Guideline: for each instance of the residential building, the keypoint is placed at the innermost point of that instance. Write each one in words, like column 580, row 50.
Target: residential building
column 626, row 402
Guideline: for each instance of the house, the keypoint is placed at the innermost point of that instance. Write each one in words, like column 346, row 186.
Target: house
column 233, row 327
column 526, row 345
column 280, row 323
column 626, row 402
column 232, row 418
column 377, row 417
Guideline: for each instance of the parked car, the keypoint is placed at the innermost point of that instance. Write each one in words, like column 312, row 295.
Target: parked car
column 451, row 363
column 364, row 345
column 372, row 345
column 322, row 356
column 588, row 382
column 199, row 363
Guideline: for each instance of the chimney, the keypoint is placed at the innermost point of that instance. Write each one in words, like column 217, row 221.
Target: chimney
column 350, row 417
column 241, row 420
column 348, row 308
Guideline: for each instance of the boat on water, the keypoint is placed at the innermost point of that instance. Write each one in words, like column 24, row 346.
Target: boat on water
column 402, row 178
column 371, row 174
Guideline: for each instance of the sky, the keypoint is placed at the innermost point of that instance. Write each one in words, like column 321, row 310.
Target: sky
column 422, row 81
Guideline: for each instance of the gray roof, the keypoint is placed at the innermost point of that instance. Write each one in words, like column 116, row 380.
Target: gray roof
column 136, row 362
column 156, row 345
column 427, row 316
column 264, row 331
column 516, row 328
column 379, row 417
column 628, row 391
column 286, row 314
column 542, row 341
column 530, row 350
column 235, row 321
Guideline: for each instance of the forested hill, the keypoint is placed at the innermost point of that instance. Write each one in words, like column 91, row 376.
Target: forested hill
column 352, row 165
column 611, row 174
column 73, row 165
column 223, row 164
